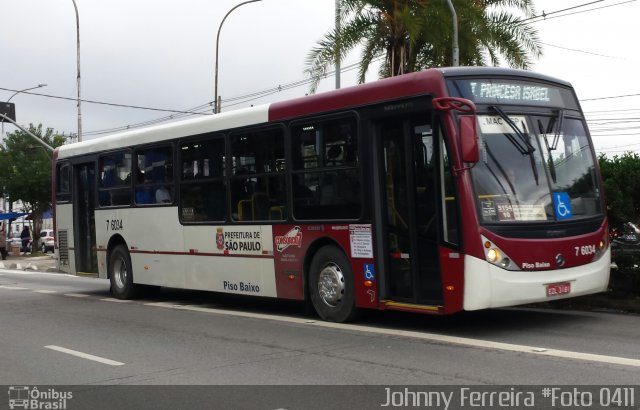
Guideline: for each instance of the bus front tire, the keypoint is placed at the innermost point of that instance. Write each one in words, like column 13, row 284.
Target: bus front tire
column 331, row 285
column 121, row 274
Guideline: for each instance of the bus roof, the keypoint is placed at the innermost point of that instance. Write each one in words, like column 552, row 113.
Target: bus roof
column 424, row 82
column 449, row 72
column 196, row 126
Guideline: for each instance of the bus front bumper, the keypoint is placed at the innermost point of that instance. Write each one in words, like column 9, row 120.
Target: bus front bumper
column 488, row 286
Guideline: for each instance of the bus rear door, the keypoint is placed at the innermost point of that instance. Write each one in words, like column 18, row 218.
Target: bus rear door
column 84, row 219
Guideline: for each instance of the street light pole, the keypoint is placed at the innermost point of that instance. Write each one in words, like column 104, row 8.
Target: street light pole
column 217, row 107
column 78, row 69
column 5, row 118
column 26, row 89
column 18, row 92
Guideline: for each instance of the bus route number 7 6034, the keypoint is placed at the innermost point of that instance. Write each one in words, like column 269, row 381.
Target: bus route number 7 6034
column 585, row 250
column 114, row 224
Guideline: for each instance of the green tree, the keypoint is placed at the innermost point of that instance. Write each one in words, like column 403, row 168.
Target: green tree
column 25, row 170
column 415, row 34
column 621, row 178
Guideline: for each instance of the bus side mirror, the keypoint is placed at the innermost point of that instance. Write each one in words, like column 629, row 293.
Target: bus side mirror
column 467, row 124
column 469, row 139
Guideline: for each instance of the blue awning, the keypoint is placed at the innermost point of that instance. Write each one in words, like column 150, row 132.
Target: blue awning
column 12, row 215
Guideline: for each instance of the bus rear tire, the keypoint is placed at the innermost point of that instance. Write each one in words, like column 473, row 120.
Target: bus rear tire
column 331, row 285
column 121, row 274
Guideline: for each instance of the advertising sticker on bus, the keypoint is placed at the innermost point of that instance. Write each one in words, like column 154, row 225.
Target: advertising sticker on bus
column 291, row 238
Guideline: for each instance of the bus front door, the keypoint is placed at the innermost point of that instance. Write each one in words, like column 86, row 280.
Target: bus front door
column 410, row 197
column 86, row 257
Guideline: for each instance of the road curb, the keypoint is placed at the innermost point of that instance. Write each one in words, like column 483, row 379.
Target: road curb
column 29, row 266
column 18, row 266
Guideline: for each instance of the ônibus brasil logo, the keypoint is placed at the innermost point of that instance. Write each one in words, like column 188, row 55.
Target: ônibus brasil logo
column 25, row 397
column 291, row 238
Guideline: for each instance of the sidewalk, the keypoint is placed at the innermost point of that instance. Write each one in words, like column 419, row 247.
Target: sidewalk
column 42, row 263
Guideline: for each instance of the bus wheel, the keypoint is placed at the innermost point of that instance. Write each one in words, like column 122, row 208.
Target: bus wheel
column 121, row 274
column 331, row 285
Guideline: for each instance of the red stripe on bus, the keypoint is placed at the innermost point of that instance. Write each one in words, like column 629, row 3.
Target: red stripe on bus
column 194, row 254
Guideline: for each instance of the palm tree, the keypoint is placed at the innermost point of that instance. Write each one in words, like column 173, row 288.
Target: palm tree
column 415, row 34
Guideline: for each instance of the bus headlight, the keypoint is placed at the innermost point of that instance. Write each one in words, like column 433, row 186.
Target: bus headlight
column 602, row 247
column 493, row 255
column 496, row 256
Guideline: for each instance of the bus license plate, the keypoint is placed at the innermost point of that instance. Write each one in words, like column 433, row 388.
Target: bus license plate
column 556, row 289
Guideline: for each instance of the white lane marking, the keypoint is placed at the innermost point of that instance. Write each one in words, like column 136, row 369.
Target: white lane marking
column 84, row 355
column 165, row 304
column 535, row 350
column 115, row 300
column 76, row 295
column 44, row 291
column 13, row 287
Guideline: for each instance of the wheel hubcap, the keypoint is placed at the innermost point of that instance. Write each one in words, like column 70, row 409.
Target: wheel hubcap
column 120, row 273
column 331, row 285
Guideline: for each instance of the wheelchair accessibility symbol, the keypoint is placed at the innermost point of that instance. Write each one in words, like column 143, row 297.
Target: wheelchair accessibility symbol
column 562, row 205
column 369, row 273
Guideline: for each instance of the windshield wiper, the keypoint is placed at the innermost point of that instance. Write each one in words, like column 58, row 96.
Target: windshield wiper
column 552, row 165
column 559, row 119
column 524, row 146
column 556, row 136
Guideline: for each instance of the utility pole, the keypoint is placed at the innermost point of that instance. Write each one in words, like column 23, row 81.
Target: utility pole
column 78, row 70
column 456, row 50
column 337, row 44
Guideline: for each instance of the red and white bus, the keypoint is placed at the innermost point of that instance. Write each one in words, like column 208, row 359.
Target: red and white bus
column 439, row 191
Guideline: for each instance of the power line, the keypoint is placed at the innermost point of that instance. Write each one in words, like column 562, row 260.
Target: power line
column 239, row 100
column 243, row 99
column 103, row 103
column 581, row 51
column 552, row 15
column 611, row 97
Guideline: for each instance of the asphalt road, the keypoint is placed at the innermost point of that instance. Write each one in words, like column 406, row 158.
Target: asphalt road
column 57, row 329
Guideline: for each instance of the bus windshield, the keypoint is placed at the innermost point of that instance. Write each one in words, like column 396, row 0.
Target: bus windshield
column 534, row 168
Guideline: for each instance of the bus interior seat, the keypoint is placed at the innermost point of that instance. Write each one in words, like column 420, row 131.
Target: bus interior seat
column 254, row 209
column 143, row 196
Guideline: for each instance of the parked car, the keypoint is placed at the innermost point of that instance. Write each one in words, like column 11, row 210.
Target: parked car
column 625, row 245
column 46, row 240
column 13, row 239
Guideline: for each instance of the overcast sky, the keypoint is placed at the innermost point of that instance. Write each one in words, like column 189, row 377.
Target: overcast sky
column 161, row 54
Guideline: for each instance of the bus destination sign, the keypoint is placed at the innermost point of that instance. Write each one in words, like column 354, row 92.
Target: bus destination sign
column 506, row 91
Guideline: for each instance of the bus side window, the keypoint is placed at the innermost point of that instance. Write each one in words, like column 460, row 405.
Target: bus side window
column 326, row 179
column 63, row 182
column 114, row 172
column 257, row 178
column 203, row 189
column 154, row 176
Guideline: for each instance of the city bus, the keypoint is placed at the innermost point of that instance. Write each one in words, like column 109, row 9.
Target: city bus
column 438, row 191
